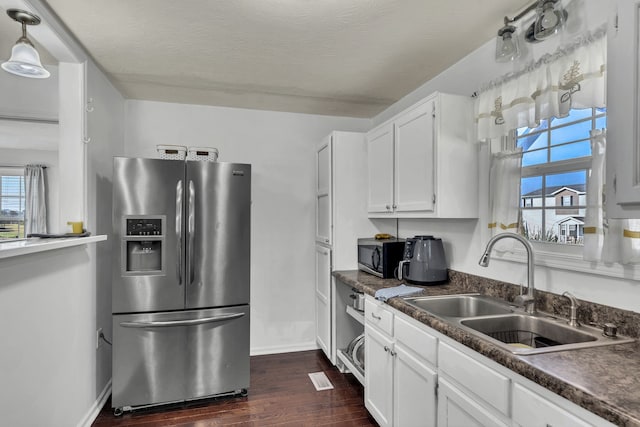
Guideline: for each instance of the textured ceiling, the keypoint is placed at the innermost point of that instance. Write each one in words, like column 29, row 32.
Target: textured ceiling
column 336, row 57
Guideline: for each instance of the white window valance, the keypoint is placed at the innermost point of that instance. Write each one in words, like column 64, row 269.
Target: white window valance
column 572, row 77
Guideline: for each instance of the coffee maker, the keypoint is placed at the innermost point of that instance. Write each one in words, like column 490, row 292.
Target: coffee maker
column 423, row 262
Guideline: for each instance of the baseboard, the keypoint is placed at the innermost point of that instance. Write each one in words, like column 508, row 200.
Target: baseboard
column 259, row 351
column 92, row 414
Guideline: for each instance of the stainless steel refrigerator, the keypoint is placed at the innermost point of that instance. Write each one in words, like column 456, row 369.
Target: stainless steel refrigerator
column 180, row 280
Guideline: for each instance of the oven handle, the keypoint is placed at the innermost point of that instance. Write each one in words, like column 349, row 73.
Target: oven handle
column 189, row 322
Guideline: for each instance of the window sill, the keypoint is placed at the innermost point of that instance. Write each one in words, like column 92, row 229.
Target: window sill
column 570, row 259
column 9, row 249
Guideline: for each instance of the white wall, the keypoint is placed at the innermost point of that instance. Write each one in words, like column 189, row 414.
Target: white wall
column 280, row 147
column 105, row 133
column 465, row 240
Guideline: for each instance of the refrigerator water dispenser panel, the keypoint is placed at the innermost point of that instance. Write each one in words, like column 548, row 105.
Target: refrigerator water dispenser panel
column 142, row 244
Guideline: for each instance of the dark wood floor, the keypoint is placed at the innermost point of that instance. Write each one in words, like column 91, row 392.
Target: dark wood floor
column 281, row 394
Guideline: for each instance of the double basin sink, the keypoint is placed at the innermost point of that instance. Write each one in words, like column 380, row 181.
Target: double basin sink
column 511, row 328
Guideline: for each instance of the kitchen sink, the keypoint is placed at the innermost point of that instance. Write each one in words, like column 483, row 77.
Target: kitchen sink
column 511, row 328
column 468, row 305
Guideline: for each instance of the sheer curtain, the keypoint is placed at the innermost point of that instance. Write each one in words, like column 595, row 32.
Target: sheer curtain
column 35, row 220
column 572, row 77
column 606, row 240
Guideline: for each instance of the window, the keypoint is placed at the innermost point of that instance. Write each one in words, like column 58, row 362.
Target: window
column 12, row 204
column 555, row 163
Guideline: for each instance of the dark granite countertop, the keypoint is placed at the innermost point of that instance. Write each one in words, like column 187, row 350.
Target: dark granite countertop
column 603, row 380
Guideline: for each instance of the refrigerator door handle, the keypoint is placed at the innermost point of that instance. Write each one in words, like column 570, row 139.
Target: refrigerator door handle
column 188, row 322
column 179, row 229
column 192, row 229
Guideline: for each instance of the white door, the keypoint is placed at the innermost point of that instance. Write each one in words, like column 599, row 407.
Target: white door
column 323, row 298
column 455, row 409
column 378, row 376
column 414, row 160
column 380, row 170
column 414, row 401
column 323, row 192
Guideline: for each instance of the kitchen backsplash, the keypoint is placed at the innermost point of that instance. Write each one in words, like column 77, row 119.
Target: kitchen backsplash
column 628, row 322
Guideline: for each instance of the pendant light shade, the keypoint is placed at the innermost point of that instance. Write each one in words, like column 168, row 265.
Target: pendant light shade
column 507, row 48
column 25, row 60
column 549, row 20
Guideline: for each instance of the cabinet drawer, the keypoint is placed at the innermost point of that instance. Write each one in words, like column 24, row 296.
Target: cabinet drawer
column 487, row 384
column 418, row 340
column 377, row 315
column 532, row 410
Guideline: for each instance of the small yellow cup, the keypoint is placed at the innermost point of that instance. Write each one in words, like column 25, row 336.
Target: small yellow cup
column 76, row 227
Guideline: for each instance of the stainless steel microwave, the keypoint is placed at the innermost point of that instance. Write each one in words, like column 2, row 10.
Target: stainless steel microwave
column 380, row 257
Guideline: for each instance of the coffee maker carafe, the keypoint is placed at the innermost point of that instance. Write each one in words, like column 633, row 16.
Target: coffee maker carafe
column 424, row 262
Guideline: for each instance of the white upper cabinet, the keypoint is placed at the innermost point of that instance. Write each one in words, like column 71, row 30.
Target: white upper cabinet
column 323, row 192
column 623, row 85
column 424, row 162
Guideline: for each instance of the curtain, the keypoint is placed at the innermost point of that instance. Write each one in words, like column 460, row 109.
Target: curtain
column 35, row 216
column 594, row 215
column 606, row 240
column 504, row 195
column 571, row 77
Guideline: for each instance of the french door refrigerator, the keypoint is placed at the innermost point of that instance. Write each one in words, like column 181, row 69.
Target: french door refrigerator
column 181, row 276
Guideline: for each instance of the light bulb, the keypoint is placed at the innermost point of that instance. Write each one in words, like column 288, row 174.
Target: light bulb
column 549, row 17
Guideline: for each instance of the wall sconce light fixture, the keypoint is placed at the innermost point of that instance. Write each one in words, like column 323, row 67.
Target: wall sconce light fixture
column 550, row 18
column 25, row 60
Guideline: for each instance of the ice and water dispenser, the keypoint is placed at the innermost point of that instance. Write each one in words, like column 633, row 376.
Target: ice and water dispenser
column 143, row 240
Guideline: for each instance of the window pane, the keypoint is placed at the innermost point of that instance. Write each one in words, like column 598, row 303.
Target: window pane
column 571, row 151
column 601, row 122
column 531, row 187
column 568, row 230
column 533, row 142
column 11, row 185
column 573, row 116
column 534, row 158
column 575, row 180
column 532, row 224
column 571, row 133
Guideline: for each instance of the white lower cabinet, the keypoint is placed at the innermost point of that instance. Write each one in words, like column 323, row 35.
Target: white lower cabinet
column 533, row 410
column 418, row 377
column 378, row 375
column 456, row 409
column 414, row 385
column 400, row 382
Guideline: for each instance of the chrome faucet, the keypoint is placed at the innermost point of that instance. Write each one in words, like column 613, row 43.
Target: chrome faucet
column 573, row 319
column 528, row 300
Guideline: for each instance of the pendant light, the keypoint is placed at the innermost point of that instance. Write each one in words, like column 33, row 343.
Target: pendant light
column 25, row 60
column 507, row 44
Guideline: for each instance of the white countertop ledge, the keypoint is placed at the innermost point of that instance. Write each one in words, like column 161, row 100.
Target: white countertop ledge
column 34, row 245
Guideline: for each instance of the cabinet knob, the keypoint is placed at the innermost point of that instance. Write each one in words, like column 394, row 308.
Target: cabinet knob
column 388, row 207
column 395, row 206
column 386, row 349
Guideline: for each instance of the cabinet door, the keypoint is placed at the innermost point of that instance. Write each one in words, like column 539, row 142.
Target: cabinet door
column 623, row 148
column 323, row 298
column 323, row 192
column 532, row 410
column 455, row 409
column 414, row 160
column 414, row 401
column 380, row 170
column 378, row 376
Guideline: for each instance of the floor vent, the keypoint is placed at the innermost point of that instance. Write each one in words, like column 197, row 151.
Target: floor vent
column 320, row 381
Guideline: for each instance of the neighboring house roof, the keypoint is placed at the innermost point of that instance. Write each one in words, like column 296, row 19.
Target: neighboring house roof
column 553, row 190
column 578, row 219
